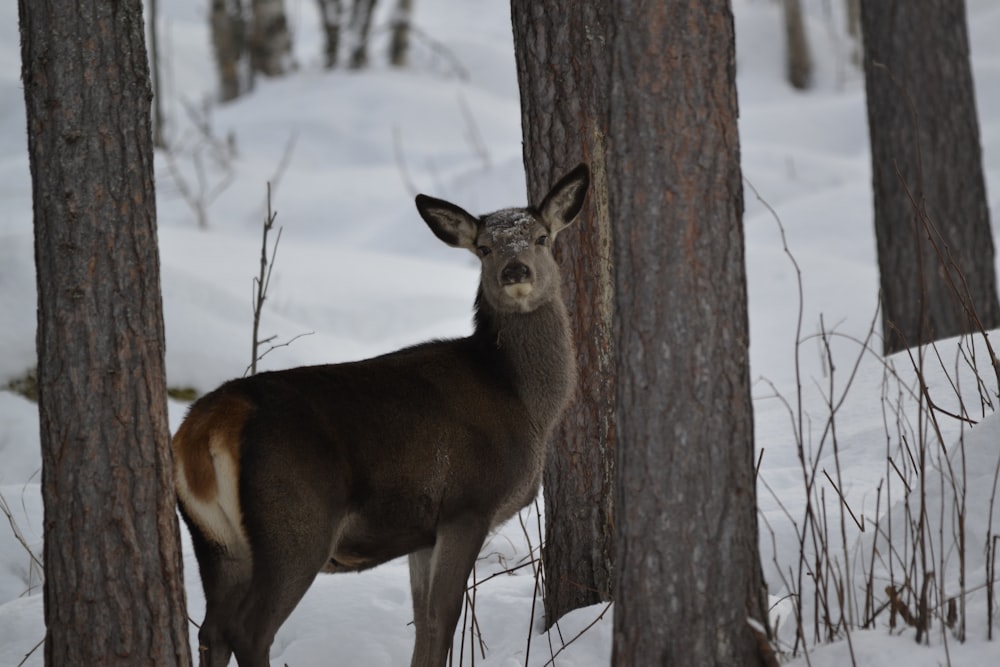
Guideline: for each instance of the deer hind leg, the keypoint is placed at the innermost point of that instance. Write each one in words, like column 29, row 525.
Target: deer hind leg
column 225, row 577
column 289, row 549
column 277, row 586
column 437, row 579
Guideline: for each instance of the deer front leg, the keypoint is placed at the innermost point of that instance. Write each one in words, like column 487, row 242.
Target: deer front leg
column 437, row 578
column 420, row 579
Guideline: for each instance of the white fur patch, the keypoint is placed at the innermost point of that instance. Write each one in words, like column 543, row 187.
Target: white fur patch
column 519, row 290
column 220, row 519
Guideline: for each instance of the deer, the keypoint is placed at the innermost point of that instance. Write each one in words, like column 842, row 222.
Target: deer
column 420, row 452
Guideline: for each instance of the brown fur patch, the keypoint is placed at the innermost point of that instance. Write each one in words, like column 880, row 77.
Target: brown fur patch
column 212, row 427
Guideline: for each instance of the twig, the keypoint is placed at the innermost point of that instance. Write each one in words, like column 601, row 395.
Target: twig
column 19, row 536
column 579, row 634
column 263, row 280
column 29, row 653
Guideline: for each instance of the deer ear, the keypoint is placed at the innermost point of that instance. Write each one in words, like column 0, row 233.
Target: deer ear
column 564, row 201
column 452, row 224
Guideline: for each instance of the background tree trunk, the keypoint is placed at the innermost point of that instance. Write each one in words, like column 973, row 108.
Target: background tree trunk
column 925, row 139
column 359, row 29
column 797, row 58
column 854, row 29
column 400, row 42
column 113, row 586
column 331, row 13
column 270, row 41
column 229, row 44
column 687, row 564
column 564, row 72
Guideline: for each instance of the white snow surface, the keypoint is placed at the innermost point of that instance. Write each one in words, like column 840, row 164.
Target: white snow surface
column 360, row 273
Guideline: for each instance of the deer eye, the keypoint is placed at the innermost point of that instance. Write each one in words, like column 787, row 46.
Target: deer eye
column 542, row 240
column 483, row 251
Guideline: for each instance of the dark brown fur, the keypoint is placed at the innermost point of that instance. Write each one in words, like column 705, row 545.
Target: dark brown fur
column 421, row 452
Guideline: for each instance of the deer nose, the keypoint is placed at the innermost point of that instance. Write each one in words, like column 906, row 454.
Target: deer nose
column 515, row 272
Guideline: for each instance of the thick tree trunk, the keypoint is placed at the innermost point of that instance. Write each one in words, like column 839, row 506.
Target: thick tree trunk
column 113, row 586
column 927, row 168
column 688, row 566
column 564, row 72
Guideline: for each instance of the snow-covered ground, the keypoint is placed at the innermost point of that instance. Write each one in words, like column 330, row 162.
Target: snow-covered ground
column 358, row 271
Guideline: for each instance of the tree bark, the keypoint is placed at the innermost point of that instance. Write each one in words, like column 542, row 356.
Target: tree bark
column 927, row 173
column 688, row 566
column 113, row 587
column 564, row 73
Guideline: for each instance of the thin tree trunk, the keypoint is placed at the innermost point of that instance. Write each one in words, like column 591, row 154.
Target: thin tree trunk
column 113, row 589
column 797, row 58
column 927, row 168
column 332, row 15
column 228, row 42
column 854, row 29
column 400, row 43
column 359, row 29
column 564, row 72
column 687, row 564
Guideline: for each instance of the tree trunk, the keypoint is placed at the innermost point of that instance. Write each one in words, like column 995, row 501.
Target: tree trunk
column 358, row 31
column 113, row 586
column 331, row 14
column 400, row 42
column 228, row 42
column 564, row 72
column 927, row 173
column 854, row 29
column 270, row 41
column 797, row 58
column 687, row 564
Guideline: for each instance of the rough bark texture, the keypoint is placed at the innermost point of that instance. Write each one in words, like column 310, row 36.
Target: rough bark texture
column 564, row 69
column 925, row 139
column 688, row 567
column 113, row 587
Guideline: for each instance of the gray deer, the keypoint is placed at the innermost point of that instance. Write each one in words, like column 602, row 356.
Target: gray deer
column 423, row 451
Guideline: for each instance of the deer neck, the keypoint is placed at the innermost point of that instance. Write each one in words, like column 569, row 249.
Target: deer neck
column 535, row 350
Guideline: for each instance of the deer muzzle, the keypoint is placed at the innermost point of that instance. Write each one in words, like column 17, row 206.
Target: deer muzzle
column 517, row 280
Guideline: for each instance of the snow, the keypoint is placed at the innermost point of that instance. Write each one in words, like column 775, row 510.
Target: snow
column 359, row 272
